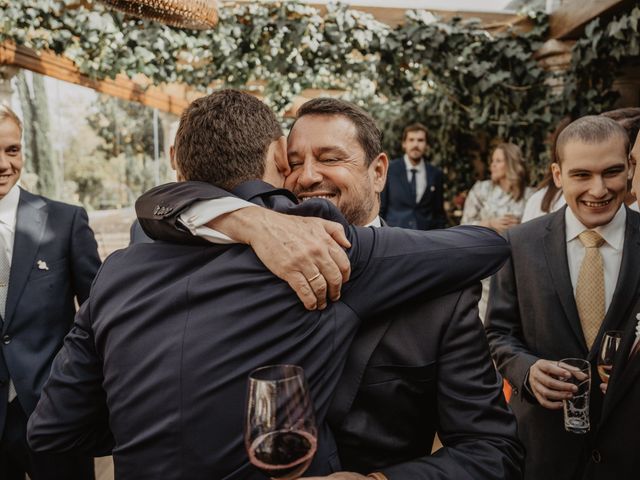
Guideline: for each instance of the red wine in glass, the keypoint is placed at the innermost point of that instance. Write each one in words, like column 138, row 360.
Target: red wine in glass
column 283, row 453
column 280, row 428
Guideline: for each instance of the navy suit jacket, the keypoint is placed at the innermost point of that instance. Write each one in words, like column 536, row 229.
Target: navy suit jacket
column 163, row 348
column 399, row 207
column 55, row 258
column 436, row 373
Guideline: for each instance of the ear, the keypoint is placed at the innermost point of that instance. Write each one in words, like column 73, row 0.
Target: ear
column 174, row 164
column 378, row 171
column 280, row 156
column 557, row 174
column 172, row 157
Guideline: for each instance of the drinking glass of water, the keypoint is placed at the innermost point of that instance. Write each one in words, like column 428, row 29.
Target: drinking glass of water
column 280, row 428
column 576, row 409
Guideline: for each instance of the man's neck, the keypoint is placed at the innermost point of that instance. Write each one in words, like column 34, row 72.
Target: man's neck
column 413, row 162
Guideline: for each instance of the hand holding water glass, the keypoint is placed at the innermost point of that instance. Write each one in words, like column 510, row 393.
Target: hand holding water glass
column 576, row 408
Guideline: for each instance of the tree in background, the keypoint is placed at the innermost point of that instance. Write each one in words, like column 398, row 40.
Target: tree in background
column 39, row 154
column 126, row 137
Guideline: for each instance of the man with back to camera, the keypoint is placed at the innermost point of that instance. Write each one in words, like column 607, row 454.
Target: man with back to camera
column 161, row 351
column 413, row 194
column 572, row 275
column 48, row 258
column 411, row 371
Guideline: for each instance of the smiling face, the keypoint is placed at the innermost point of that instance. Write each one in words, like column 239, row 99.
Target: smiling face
column 327, row 161
column 634, row 158
column 10, row 155
column 593, row 178
column 414, row 145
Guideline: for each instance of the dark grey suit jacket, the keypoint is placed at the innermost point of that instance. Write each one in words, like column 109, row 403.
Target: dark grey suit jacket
column 532, row 314
column 55, row 258
column 617, row 438
column 163, row 348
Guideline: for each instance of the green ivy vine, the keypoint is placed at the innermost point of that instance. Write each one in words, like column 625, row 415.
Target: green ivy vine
column 468, row 86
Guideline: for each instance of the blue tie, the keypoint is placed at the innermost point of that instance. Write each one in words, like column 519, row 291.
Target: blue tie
column 414, row 190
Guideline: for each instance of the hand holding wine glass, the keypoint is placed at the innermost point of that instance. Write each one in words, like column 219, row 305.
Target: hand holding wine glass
column 280, row 428
column 610, row 344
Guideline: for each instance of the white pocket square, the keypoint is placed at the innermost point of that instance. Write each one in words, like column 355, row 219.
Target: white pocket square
column 42, row 265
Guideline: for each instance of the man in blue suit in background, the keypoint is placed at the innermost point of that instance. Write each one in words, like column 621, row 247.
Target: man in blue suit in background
column 413, row 197
column 48, row 259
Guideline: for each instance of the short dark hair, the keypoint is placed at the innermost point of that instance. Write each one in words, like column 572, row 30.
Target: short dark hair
column 368, row 134
column 590, row 129
column 628, row 118
column 414, row 127
column 223, row 138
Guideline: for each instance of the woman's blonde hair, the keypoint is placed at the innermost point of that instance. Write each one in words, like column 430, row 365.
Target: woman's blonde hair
column 516, row 170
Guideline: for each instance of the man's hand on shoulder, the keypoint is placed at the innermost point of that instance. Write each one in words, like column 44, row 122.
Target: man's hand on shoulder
column 545, row 380
column 306, row 252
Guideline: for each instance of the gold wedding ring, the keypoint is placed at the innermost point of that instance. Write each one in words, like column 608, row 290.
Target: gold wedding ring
column 317, row 275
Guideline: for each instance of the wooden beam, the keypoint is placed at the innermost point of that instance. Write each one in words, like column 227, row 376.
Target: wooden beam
column 569, row 20
column 64, row 69
column 395, row 16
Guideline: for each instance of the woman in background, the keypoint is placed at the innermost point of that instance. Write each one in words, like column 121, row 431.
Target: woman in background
column 498, row 203
column 547, row 197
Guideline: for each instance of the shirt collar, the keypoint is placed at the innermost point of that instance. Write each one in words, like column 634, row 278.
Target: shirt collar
column 612, row 232
column 375, row 223
column 9, row 207
column 408, row 165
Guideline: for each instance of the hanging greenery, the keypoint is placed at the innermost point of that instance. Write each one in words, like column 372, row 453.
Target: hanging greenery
column 470, row 87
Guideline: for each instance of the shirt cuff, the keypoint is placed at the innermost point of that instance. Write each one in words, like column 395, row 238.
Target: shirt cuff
column 200, row 213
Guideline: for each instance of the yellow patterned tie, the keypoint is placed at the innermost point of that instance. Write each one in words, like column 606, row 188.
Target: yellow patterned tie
column 590, row 288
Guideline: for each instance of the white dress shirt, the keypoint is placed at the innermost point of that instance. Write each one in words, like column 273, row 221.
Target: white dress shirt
column 611, row 249
column 421, row 176
column 197, row 215
column 8, row 214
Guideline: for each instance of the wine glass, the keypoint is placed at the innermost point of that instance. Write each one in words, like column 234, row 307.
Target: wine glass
column 280, row 429
column 610, row 344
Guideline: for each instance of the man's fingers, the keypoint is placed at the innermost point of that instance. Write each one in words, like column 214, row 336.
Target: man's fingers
column 300, row 285
column 341, row 260
column 336, row 231
column 555, row 370
column 550, row 394
column 550, row 405
column 554, row 384
column 319, row 287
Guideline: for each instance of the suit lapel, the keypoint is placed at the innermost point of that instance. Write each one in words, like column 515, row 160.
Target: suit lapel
column 555, row 249
column 628, row 282
column 429, row 174
column 30, row 221
column 364, row 344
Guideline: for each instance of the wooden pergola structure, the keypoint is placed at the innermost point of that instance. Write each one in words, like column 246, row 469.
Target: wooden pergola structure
column 566, row 24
